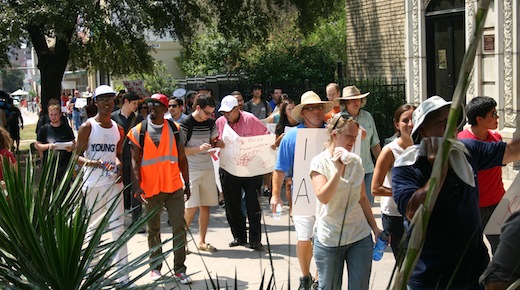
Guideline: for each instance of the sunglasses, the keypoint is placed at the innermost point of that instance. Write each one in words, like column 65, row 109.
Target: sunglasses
column 342, row 115
column 143, row 108
column 173, row 106
column 154, row 104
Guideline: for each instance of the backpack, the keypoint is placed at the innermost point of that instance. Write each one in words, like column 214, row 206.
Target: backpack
column 247, row 105
column 144, row 126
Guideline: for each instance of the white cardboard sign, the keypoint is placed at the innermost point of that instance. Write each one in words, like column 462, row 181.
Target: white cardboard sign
column 309, row 143
column 508, row 205
column 137, row 87
column 247, row 156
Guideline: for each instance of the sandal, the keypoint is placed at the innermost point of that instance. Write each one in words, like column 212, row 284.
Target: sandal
column 208, row 248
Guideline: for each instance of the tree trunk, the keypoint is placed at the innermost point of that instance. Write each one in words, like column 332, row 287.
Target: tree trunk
column 52, row 62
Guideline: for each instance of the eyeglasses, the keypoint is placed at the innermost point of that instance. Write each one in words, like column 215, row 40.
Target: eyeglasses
column 173, row 106
column 314, row 108
column 342, row 115
column 143, row 108
column 154, row 104
column 207, row 114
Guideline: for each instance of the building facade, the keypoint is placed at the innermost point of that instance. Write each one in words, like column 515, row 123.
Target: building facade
column 425, row 41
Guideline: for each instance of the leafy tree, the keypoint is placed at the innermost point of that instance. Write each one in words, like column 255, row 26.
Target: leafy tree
column 211, row 54
column 12, row 80
column 109, row 35
column 159, row 80
column 329, row 33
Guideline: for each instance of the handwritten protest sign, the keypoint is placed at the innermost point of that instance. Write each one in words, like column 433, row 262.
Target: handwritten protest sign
column 508, row 205
column 309, row 143
column 80, row 103
column 137, row 87
column 247, row 156
column 215, row 159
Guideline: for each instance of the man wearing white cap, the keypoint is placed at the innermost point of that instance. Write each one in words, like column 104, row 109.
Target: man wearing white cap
column 310, row 113
column 454, row 254
column 99, row 149
column 245, row 125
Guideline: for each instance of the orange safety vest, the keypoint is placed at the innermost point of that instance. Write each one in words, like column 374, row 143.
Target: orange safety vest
column 159, row 165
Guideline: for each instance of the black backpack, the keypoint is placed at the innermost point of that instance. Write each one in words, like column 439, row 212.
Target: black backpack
column 144, row 127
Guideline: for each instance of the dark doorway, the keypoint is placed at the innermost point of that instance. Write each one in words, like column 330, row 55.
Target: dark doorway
column 445, row 46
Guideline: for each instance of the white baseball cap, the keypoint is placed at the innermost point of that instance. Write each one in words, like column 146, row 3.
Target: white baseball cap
column 104, row 90
column 228, row 103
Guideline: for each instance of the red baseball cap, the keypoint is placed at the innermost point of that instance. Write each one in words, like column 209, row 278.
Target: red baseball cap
column 158, row 97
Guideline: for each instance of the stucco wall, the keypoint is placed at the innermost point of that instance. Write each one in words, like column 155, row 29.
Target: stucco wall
column 375, row 39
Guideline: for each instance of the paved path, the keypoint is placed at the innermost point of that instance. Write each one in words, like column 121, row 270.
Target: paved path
column 249, row 264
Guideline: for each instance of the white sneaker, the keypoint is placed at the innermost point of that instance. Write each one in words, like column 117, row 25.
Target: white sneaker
column 155, row 275
column 183, row 278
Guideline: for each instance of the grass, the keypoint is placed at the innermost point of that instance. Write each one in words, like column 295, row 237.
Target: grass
column 27, row 136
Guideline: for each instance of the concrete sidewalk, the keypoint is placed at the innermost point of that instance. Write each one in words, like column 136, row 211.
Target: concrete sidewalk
column 249, row 265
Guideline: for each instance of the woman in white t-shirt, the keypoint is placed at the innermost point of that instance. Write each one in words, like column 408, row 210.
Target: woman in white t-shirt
column 382, row 179
column 344, row 219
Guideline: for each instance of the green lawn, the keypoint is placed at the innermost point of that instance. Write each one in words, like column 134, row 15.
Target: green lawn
column 27, row 136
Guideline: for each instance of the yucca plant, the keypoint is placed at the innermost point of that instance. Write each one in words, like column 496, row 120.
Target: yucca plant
column 44, row 237
column 419, row 223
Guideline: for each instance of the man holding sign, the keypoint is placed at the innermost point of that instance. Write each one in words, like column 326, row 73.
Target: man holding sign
column 310, row 113
column 245, row 125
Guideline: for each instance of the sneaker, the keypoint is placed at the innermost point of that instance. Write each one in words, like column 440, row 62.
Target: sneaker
column 305, row 283
column 237, row 242
column 155, row 275
column 183, row 278
column 315, row 285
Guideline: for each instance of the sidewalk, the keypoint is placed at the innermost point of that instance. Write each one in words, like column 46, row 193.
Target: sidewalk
column 248, row 264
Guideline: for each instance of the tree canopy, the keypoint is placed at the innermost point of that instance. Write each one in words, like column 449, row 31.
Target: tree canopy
column 110, row 35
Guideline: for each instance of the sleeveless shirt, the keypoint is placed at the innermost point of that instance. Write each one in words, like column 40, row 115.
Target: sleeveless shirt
column 102, row 145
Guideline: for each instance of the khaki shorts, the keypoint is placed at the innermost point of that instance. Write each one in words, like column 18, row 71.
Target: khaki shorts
column 304, row 226
column 203, row 189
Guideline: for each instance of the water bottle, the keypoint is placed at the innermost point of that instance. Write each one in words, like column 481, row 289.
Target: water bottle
column 379, row 248
column 278, row 214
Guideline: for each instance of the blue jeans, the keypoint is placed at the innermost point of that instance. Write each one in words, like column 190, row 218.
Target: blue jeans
column 330, row 262
column 76, row 117
column 368, row 187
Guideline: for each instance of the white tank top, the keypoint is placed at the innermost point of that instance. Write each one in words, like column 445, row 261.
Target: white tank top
column 388, row 205
column 102, row 145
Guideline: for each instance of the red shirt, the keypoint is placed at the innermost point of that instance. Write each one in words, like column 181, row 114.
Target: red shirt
column 490, row 185
column 6, row 154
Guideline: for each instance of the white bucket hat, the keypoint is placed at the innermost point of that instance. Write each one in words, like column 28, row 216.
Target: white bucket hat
column 427, row 107
column 310, row 98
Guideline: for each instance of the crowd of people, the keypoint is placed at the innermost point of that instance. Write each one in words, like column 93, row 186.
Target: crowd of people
column 162, row 148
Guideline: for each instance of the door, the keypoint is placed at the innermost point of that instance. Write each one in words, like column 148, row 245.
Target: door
column 445, row 47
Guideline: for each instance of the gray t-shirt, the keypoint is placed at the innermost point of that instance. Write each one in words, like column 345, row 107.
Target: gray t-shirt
column 261, row 110
column 201, row 132
column 155, row 132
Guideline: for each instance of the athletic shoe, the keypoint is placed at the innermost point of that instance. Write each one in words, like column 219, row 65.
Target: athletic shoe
column 183, row 278
column 155, row 275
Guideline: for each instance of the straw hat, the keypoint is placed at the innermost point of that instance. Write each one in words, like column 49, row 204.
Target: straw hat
column 310, row 98
column 351, row 93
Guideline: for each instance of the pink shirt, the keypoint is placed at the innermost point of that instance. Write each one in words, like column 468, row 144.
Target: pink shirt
column 247, row 125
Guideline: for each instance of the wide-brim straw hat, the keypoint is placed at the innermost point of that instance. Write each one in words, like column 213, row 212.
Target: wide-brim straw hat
column 310, row 98
column 351, row 93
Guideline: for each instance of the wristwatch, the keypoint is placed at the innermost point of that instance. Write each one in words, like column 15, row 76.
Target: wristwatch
column 186, row 184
